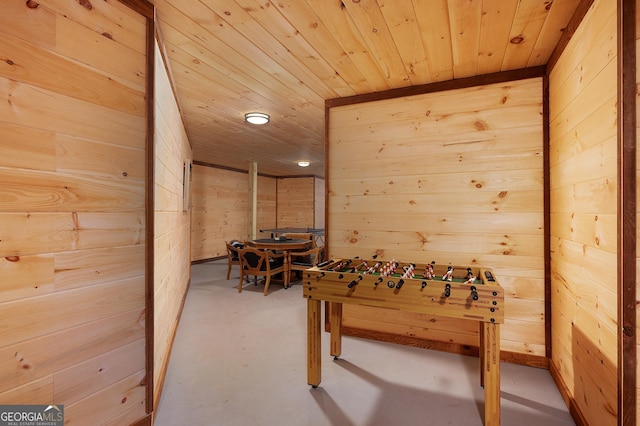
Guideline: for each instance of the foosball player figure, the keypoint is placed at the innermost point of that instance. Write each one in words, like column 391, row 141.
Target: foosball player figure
column 362, row 266
column 408, row 271
column 470, row 277
column 372, row 269
column 389, row 269
column 448, row 276
column 428, row 270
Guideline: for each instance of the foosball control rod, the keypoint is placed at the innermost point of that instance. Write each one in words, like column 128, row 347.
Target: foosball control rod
column 474, row 292
column 447, row 290
column 354, row 282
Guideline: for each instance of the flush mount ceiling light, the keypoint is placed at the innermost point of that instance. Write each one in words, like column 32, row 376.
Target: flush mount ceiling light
column 256, row 118
column 303, row 163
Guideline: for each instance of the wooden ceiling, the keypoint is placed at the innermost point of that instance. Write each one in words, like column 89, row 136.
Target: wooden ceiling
column 286, row 57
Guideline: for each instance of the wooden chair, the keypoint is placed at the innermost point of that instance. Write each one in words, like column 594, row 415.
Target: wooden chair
column 301, row 260
column 302, row 236
column 233, row 257
column 263, row 263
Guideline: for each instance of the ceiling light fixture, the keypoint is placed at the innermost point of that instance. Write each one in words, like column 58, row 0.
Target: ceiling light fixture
column 303, row 163
column 256, row 118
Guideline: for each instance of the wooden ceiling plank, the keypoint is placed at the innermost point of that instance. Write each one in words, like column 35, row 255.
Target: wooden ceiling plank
column 228, row 92
column 403, row 26
column 373, row 27
column 309, row 40
column 223, row 94
column 465, row 17
column 253, row 22
column 246, row 131
column 276, row 128
column 494, row 34
column 433, row 20
column 249, row 150
column 231, row 57
column 338, row 22
column 234, row 133
column 555, row 24
column 273, row 165
column 277, row 125
column 527, row 24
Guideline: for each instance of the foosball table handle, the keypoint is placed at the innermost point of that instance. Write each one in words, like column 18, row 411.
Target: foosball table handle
column 354, row 282
column 474, row 292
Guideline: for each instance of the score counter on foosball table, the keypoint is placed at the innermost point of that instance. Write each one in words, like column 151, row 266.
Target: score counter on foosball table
column 465, row 293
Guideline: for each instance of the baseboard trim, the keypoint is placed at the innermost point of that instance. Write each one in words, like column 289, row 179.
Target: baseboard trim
column 165, row 366
column 145, row 421
column 569, row 401
column 209, row 259
column 510, row 357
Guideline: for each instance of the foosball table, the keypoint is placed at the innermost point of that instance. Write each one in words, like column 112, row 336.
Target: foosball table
column 465, row 293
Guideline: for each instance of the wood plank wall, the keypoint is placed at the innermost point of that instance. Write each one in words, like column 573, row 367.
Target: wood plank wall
column 72, row 210
column 295, row 202
column 583, row 164
column 220, row 206
column 453, row 176
column 267, row 204
column 319, row 203
column 220, row 209
column 172, row 254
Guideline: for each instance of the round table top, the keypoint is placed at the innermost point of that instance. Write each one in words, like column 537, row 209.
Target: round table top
column 288, row 244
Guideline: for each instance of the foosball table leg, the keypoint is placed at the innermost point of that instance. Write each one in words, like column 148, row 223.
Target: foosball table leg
column 481, row 352
column 314, row 370
column 490, row 354
column 336, row 329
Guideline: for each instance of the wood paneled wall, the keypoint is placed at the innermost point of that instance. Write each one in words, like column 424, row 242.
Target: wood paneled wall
column 295, row 200
column 72, row 210
column 172, row 227
column 219, row 211
column 267, row 204
column 453, row 176
column 220, row 207
column 220, row 203
column 319, row 203
column 583, row 164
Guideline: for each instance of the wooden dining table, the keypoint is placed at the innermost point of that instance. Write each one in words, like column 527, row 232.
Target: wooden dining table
column 282, row 245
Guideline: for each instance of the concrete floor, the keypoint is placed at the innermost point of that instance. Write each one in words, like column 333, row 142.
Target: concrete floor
column 240, row 359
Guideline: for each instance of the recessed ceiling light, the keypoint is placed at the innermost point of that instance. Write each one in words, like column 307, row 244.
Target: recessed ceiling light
column 303, row 163
column 256, row 118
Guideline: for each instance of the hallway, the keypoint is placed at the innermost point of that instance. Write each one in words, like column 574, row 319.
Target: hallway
column 240, row 359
